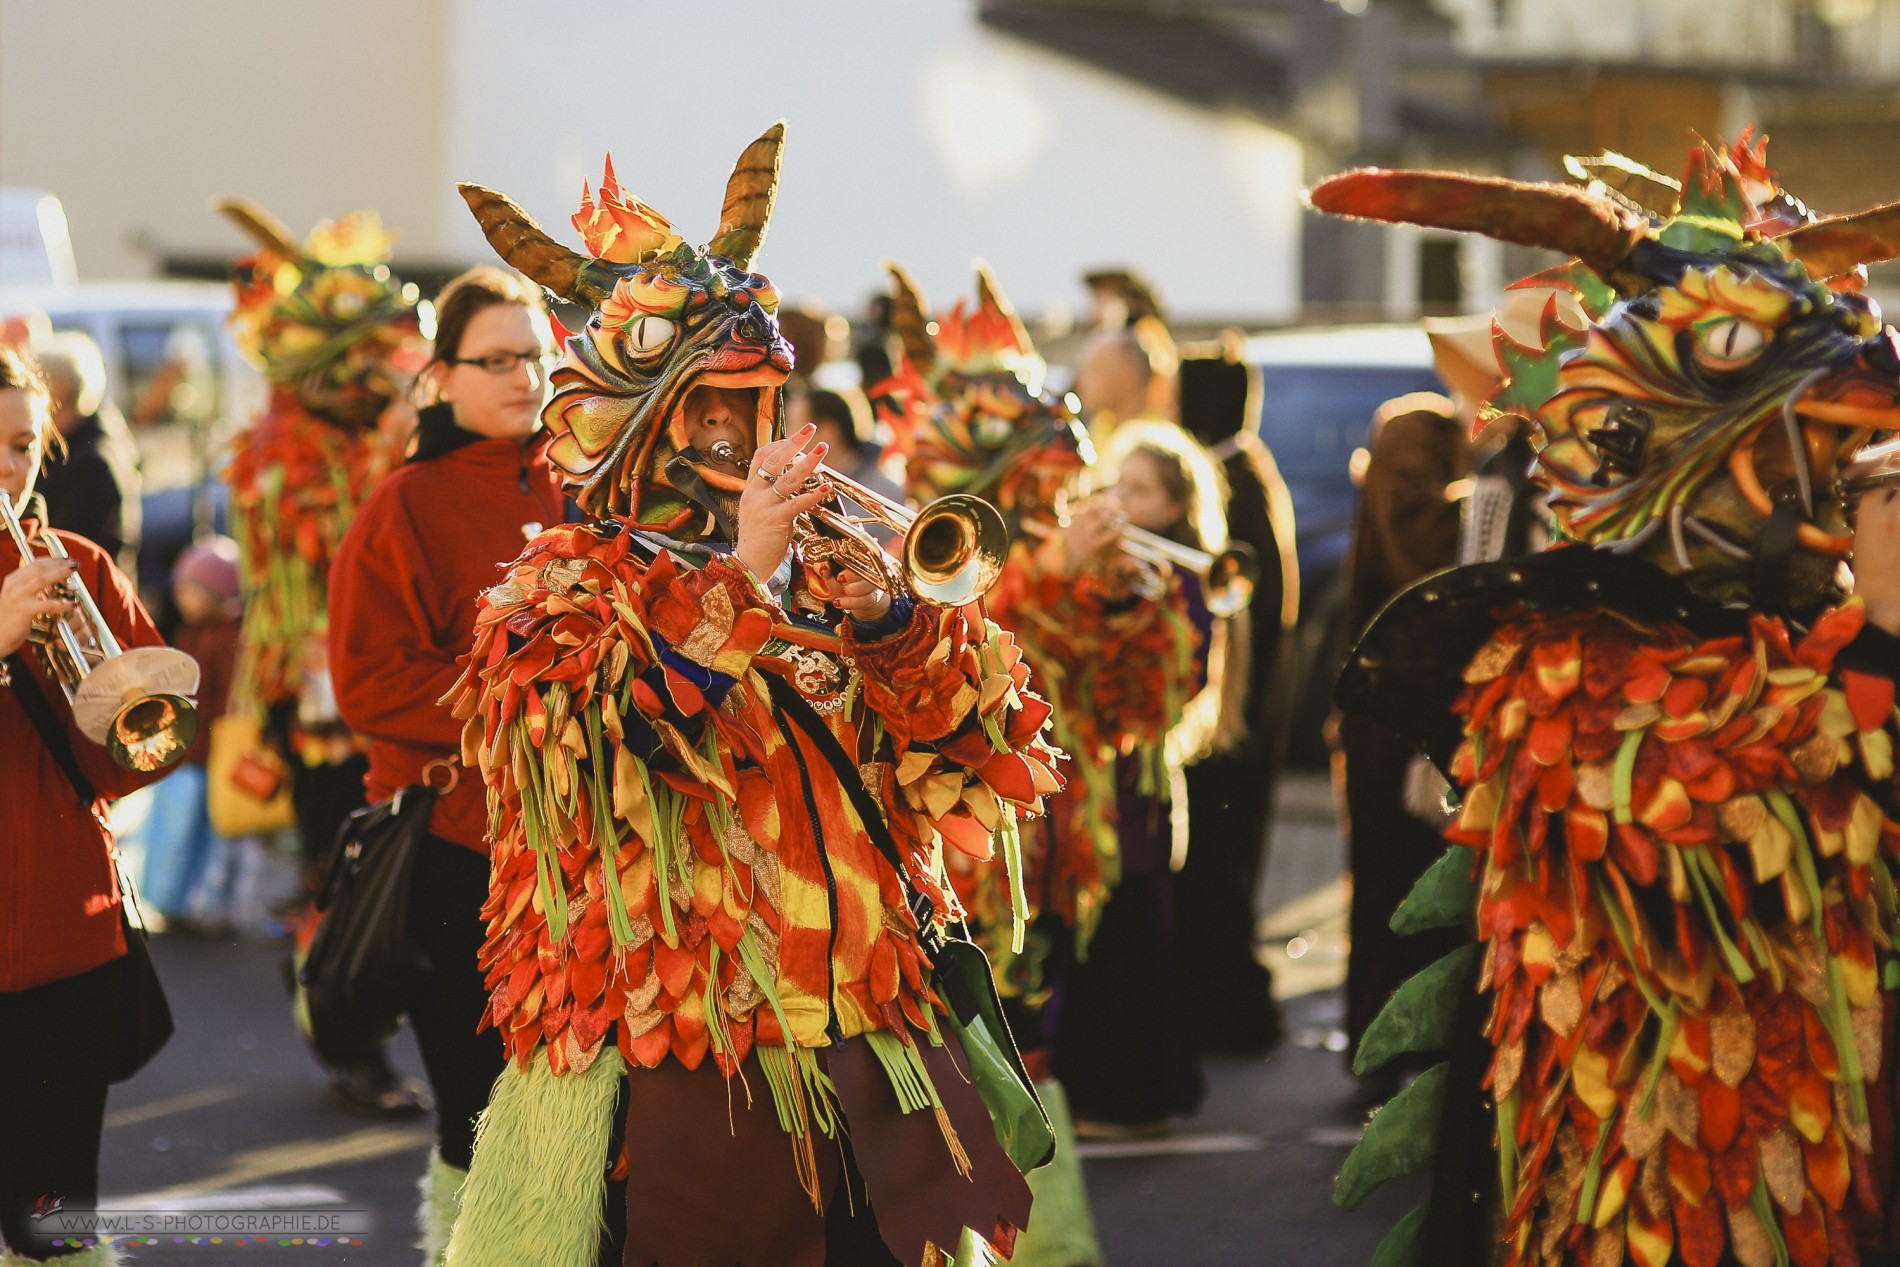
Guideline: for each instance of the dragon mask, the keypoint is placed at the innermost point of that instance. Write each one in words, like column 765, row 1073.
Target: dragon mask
column 326, row 318
column 1727, row 367
column 667, row 317
column 967, row 406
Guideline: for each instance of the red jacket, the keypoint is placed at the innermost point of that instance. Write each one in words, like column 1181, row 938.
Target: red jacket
column 430, row 539
column 59, row 890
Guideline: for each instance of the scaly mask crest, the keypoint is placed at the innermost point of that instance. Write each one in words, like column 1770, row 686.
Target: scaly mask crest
column 325, row 317
column 667, row 317
column 967, row 409
column 1727, row 371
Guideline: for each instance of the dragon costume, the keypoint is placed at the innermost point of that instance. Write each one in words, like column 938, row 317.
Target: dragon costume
column 1670, row 742
column 694, row 777
column 969, row 414
column 337, row 336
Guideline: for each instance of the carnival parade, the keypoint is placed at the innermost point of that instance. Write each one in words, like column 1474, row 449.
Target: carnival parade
column 1052, row 633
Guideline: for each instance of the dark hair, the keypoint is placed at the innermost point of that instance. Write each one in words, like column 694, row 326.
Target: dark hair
column 481, row 287
column 20, row 372
column 849, row 412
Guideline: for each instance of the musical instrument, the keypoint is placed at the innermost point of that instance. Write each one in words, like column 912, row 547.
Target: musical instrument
column 952, row 549
column 1875, row 466
column 1228, row 576
column 135, row 702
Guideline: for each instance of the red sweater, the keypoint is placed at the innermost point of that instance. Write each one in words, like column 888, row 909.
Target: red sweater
column 403, row 586
column 59, row 891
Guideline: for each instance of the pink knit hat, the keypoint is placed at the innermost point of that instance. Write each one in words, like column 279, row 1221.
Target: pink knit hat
column 212, row 564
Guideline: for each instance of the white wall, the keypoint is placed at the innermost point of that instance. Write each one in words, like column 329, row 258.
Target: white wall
column 136, row 112
column 914, row 133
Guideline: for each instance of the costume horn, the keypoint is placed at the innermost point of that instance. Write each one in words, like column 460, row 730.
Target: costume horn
column 259, row 225
column 990, row 299
column 911, row 320
column 1594, row 230
column 749, row 194
column 526, row 248
column 1838, row 244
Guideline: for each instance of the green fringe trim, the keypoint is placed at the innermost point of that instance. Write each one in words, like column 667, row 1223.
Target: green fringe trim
column 535, row 1189
column 905, row 1068
column 441, row 1201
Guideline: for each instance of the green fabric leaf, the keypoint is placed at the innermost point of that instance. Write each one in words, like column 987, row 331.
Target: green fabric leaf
column 1446, row 896
column 1404, row 1245
column 1399, row 1140
column 1420, row 1014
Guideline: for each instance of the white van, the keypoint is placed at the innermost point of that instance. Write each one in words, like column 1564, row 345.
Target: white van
column 170, row 365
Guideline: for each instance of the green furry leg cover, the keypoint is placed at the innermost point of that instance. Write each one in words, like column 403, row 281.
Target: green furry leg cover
column 539, row 1177
column 1061, row 1226
column 441, row 1201
column 100, row 1255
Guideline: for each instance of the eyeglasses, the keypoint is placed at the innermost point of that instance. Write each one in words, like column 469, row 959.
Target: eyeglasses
column 499, row 363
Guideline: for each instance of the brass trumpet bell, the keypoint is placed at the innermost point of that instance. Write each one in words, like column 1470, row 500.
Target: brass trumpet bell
column 954, row 550
column 136, row 703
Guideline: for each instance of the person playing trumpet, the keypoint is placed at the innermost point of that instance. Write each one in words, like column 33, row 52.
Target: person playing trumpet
column 722, row 782
column 1112, row 637
column 62, row 937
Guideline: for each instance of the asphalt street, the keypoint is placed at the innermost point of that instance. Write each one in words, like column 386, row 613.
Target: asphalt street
column 233, row 1112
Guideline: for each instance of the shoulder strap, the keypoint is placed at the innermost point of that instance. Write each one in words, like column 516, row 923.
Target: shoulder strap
column 58, row 742
column 801, row 714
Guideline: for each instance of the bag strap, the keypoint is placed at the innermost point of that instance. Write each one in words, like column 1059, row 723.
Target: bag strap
column 60, row 744
column 801, row 714
column 57, row 741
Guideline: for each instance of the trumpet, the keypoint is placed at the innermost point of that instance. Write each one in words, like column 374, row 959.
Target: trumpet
column 1875, row 466
column 951, row 553
column 137, row 702
column 1228, row 576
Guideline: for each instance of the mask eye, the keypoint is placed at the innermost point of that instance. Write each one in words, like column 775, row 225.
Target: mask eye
column 648, row 334
column 1729, row 344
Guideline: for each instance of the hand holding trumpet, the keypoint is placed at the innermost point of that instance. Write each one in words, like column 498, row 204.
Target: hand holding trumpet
column 28, row 596
column 778, row 490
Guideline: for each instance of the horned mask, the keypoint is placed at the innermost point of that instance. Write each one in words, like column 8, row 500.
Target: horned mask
column 1728, row 366
column 325, row 318
column 667, row 317
column 967, row 408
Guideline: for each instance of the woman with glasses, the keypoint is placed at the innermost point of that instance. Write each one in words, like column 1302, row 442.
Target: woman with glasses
column 424, row 546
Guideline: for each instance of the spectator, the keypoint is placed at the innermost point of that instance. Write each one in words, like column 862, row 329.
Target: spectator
column 1407, row 528
column 843, row 419
column 181, row 849
column 402, row 610
column 94, row 492
column 1124, row 373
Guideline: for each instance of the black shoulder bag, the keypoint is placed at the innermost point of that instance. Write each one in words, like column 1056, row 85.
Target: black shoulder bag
column 363, row 965
column 145, row 1020
column 960, row 970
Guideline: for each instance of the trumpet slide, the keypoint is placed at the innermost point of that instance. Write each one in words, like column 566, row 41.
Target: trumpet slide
column 951, row 553
column 136, row 702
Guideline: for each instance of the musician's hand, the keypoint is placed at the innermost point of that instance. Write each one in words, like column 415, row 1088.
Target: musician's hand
column 859, row 599
column 1877, row 556
column 24, row 599
column 1095, row 529
column 773, row 499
